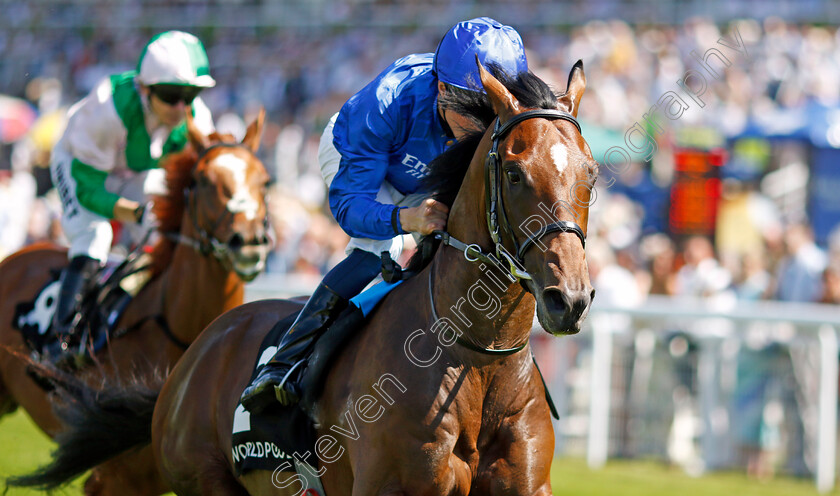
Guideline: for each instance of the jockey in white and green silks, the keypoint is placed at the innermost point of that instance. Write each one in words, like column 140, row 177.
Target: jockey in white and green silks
column 106, row 162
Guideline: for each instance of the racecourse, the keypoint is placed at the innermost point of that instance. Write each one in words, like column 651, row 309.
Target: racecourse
column 23, row 447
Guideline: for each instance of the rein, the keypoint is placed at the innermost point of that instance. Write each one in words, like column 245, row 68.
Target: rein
column 459, row 337
column 514, row 268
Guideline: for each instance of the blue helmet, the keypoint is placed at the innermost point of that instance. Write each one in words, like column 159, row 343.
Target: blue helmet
column 494, row 43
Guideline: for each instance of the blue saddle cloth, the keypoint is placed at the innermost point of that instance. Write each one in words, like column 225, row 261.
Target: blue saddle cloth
column 267, row 440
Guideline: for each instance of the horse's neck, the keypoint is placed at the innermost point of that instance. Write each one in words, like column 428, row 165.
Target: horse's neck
column 496, row 313
column 489, row 310
column 197, row 289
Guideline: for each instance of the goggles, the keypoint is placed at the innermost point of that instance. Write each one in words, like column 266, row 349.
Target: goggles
column 171, row 94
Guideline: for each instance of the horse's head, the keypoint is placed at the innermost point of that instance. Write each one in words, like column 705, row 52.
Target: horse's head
column 228, row 206
column 538, row 174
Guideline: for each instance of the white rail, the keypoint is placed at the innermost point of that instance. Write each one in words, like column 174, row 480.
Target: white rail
column 821, row 320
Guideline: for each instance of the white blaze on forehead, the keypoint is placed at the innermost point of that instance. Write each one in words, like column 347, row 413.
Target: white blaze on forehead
column 560, row 157
column 242, row 200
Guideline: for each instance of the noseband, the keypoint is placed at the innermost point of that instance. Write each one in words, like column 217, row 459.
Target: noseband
column 513, row 266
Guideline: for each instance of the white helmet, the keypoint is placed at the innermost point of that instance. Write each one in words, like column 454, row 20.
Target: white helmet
column 174, row 57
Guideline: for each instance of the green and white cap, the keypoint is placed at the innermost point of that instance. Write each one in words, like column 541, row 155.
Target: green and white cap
column 175, row 57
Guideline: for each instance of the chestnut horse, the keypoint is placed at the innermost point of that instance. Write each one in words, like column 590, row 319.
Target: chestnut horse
column 437, row 394
column 213, row 238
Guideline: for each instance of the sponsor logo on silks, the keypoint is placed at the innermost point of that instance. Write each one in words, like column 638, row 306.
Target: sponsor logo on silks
column 68, row 202
column 263, row 449
column 415, row 167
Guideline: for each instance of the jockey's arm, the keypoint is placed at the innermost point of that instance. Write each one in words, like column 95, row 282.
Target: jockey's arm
column 94, row 136
column 365, row 136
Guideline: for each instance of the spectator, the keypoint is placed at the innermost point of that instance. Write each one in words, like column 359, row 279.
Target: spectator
column 800, row 274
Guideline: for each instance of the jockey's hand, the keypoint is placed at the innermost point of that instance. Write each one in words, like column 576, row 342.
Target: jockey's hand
column 125, row 210
column 426, row 218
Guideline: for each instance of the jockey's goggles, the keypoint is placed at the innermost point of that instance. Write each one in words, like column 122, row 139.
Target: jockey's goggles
column 171, row 94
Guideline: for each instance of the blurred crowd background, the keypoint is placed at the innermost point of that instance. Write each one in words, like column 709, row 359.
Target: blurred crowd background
column 738, row 202
column 764, row 230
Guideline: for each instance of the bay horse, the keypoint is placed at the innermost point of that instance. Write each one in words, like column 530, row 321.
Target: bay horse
column 437, row 394
column 212, row 239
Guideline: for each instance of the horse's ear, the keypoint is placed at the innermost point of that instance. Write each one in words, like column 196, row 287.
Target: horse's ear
column 199, row 141
column 502, row 100
column 574, row 89
column 254, row 132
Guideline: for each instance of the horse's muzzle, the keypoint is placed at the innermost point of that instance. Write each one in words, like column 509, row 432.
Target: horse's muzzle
column 248, row 260
column 562, row 312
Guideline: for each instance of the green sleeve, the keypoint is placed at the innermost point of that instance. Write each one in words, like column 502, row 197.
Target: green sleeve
column 90, row 189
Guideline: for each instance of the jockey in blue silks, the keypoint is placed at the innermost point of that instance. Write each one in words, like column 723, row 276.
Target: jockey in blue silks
column 374, row 154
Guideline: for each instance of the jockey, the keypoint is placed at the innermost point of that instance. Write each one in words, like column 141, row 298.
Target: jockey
column 105, row 164
column 374, row 154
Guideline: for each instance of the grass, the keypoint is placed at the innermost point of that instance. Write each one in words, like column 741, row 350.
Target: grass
column 571, row 477
column 23, row 447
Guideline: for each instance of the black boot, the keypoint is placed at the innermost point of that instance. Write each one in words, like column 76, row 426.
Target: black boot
column 276, row 380
column 75, row 281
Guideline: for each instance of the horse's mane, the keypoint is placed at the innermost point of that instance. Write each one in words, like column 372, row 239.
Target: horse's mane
column 169, row 208
column 447, row 171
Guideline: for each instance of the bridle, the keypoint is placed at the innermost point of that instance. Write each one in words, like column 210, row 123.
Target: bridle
column 511, row 265
column 514, row 268
column 207, row 243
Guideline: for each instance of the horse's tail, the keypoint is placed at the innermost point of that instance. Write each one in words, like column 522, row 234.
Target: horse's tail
column 99, row 423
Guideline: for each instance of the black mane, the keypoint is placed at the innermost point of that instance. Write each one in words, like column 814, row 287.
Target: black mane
column 447, row 171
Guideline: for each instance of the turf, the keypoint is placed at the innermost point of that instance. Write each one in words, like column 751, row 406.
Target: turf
column 23, row 447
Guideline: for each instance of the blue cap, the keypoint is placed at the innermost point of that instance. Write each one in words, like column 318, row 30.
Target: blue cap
column 494, row 43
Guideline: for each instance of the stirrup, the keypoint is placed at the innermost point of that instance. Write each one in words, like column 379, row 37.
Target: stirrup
column 284, row 396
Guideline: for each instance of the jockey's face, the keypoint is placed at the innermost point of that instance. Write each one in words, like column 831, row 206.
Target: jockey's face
column 459, row 124
column 170, row 114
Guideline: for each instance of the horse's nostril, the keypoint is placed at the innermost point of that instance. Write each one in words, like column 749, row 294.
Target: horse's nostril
column 555, row 301
column 592, row 295
column 570, row 305
column 236, row 241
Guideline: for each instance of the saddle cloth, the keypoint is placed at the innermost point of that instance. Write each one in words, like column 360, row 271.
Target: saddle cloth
column 285, row 436
column 102, row 306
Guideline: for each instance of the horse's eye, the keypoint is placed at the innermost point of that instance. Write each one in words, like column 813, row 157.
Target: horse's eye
column 513, row 176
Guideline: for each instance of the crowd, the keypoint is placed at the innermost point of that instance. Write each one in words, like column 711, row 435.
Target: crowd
column 762, row 248
column 302, row 76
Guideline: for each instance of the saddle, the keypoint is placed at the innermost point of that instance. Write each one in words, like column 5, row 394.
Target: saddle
column 113, row 288
column 271, row 438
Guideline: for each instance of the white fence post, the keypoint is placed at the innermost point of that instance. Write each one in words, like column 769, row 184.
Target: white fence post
column 597, row 447
column 827, row 434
